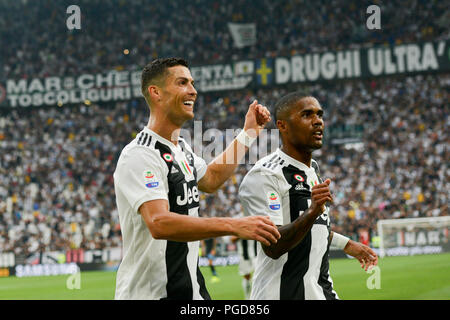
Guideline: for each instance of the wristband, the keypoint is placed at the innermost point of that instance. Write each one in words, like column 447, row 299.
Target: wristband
column 245, row 139
column 339, row 241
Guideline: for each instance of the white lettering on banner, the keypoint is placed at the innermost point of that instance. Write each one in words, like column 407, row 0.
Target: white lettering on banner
column 399, row 53
column 413, row 54
column 409, row 251
column 136, row 78
column 282, row 70
column 297, row 69
column 429, row 60
column 126, row 84
column 311, row 67
column 410, row 58
column 328, row 65
column 375, row 61
column 52, row 84
column 45, row 269
column 344, row 64
column 219, row 261
column 73, row 96
column 389, row 66
column 85, row 81
column 223, row 77
column 421, row 238
column 13, row 87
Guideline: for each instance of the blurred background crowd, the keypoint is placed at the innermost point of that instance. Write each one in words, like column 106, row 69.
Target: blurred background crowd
column 197, row 30
column 56, row 163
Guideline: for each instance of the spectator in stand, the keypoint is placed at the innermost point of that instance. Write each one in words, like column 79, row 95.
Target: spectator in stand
column 157, row 29
column 56, row 164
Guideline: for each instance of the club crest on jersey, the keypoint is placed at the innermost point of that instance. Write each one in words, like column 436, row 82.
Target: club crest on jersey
column 273, row 200
column 298, row 177
column 168, row 157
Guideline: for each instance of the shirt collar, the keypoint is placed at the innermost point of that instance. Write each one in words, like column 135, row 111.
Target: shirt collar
column 293, row 161
column 163, row 140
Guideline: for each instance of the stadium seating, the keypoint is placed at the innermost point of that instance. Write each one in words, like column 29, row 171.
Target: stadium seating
column 56, row 164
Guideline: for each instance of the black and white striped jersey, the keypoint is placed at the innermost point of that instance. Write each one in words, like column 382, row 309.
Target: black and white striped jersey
column 280, row 187
column 149, row 168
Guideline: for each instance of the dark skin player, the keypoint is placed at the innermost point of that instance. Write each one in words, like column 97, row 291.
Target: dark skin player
column 301, row 128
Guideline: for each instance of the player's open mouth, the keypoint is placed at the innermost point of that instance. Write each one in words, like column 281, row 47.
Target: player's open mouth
column 318, row 134
column 189, row 103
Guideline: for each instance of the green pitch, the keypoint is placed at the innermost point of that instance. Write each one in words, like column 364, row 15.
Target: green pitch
column 416, row 277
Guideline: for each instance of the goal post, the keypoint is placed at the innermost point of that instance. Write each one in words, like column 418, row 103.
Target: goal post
column 414, row 236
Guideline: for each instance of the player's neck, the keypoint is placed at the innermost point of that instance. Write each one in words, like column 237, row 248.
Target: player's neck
column 299, row 155
column 166, row 130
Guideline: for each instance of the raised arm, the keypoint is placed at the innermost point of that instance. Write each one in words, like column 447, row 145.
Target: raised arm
column 293, row 233
column 221, row 168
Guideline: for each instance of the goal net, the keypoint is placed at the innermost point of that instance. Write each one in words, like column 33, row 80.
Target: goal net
column 414, row 236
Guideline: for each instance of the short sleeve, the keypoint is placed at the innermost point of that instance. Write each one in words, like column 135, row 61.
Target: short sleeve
column 260, row 195
column 141, row 176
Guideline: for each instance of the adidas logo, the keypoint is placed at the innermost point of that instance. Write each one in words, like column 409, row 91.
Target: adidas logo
column 174, row 170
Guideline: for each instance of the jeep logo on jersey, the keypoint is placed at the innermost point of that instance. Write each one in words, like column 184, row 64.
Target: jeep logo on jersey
column 189, row 195
column 298, row 177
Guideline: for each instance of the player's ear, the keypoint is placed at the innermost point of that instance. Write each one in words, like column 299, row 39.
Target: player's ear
column 154, row 92
column 281, row 125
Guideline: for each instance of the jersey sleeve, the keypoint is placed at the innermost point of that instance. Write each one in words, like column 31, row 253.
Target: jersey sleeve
column 141, row 177
column 260, row 195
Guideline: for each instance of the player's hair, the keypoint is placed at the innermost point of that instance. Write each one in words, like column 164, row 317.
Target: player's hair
column 156, row 72
column 284, row 105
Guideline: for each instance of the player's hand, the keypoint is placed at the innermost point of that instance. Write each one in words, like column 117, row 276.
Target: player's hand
column 259, row 228
column 256, row 118
column 320, row 195
column 365, row 255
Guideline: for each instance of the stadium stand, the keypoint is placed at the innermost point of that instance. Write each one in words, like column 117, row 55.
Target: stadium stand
column 150, row 30
column 56, row 164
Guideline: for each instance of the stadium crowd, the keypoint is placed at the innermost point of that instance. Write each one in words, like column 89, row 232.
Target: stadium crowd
column 196, row 30
column 56, row 164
